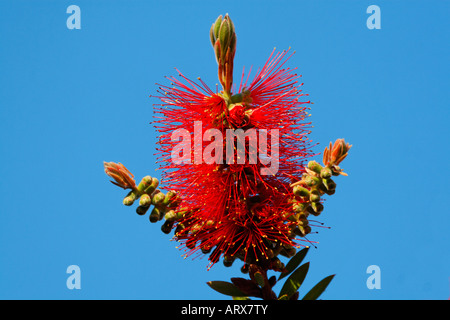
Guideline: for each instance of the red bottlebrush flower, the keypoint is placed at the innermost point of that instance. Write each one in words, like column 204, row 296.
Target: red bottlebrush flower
column 237, row 116
column 232, row 207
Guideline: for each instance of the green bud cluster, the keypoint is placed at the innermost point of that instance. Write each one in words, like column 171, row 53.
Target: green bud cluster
column 164, row 205
column 308, row 192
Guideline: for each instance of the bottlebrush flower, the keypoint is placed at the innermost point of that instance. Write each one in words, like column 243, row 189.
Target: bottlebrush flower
column 236, row 211
column 231, row 193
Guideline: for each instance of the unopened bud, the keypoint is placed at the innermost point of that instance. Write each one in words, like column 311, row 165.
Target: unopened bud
column 129, row 199
column 269, row 253
column 152, row 187
column 314, row 166
column 158, row 198
column 205, row 249
column 311, row 181
column 190, row 243
column 155, row 215
column 228, row 260
column 170, row 215
column 121, row 175
column 315, row 196
column 301, row 191
column 300, row 207
column 167, row 227
column 277, row 264
column 303, row 230
column 317, row 207
column 144, row 184
column 180, row 227
column 302, row 222
column 325, row 173
column 145, row 200
column 245, row 268
column 170, row 196
column 141, row 210
column 196, row 228
column 329, row 184
column 290, row 252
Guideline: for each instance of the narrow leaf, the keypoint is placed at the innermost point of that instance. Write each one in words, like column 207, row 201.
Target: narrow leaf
column 295, row 280
column 241, row 298
column 247, row 286
column 294, row 262
column 226, row 288
column 283, row 297
column 315, row 292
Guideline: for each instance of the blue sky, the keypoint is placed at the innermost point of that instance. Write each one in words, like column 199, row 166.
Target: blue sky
column 71, row 99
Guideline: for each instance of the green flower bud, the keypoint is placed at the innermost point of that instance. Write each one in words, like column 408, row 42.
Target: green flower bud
column 301, row 191
column 317, row 207
column 303, row 222
column 152, row 187
column 169, row 198
column 130, row 198
column 300, row 207
column 158, row 198
column 326, row 173
column 145, row 200
column 155, row 215
column 302, row 230
column 170, row 215
column 315, row 196
column 314, row 166
column 329, row 184
column 311, row 181
column 145, row 183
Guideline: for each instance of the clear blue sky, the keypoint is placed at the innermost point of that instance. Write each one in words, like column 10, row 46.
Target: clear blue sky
column 71, row 99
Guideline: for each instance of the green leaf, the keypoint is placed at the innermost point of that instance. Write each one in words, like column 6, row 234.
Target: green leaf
column 226, row 288
column 241, row 298
column 284, row 297
column 295, row 280
column 294, row 262
column 315, row 292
